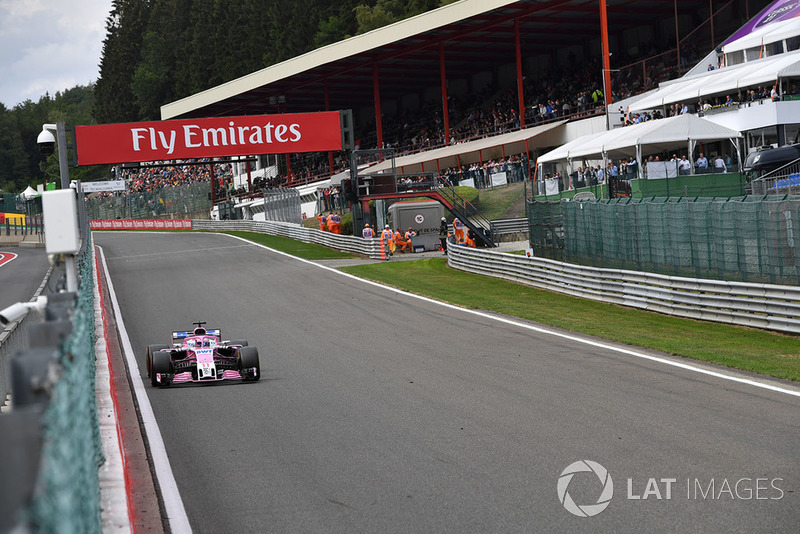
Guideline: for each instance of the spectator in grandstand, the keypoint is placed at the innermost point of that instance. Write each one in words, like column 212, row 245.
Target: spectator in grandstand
column 701, row 163
column 719, row 164
column 685, row 166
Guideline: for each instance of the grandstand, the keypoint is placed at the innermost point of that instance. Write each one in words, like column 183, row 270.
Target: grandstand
column 479, row 71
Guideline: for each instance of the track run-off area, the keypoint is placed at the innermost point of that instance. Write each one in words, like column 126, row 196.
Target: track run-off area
column 378, row 411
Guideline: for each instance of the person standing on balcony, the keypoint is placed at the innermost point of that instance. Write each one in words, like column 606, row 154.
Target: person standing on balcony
column 702, row 163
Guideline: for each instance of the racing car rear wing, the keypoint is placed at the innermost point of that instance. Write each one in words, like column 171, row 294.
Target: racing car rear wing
column 178, row 336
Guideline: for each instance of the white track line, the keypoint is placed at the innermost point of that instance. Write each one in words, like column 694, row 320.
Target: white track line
column 173, row 504
column 621, row 350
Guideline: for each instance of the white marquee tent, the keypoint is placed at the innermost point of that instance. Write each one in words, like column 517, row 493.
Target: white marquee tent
column 673, row 133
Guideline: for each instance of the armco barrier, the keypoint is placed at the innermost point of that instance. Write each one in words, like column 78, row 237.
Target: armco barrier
column 766, row 306
column 141, row 224
column 348, row 243
column 14, row 339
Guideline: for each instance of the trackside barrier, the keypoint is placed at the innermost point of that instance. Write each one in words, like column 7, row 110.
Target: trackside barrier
column 348, row 243
column 141, row 224
column 772, row 307
column 50, row 448
column 15, row 339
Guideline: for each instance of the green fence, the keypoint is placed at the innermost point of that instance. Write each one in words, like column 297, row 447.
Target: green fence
column 67, row 496
column 697, row 185
column 746, row 238
column 180, row 202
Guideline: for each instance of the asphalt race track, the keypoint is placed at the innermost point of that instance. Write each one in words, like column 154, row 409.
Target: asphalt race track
column 20, row 277
column 380, row 412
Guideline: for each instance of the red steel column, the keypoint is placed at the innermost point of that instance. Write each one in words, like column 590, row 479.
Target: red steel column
column 376, row 91
column 289, row 169
column 519, row 74
column 213, row 185
column 328, row 108
column 445, row 112
column 606, row 54
column 711, row 18
column 249, row 177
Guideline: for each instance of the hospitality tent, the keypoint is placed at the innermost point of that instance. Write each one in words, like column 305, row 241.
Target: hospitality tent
column 673, row 133
column 721, row 82
column 473, row 151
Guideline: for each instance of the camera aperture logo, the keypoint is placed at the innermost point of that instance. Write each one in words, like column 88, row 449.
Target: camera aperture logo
column 585, row 510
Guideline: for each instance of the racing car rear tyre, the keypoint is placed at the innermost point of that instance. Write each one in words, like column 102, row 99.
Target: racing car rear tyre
column 162, row 364
column 248, row 358
column 150, row 350
column 242, row 342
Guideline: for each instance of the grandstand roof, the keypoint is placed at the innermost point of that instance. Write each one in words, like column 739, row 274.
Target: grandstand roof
column 724, row 81
column 471, row 152
column 663, row 134
column 475, row 35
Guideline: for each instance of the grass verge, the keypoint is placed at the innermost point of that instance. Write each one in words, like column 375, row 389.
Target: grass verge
column 495, row 203
column 308, row 251
column 747, row 349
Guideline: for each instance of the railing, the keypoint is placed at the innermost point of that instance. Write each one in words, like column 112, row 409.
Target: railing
column 773, row 307
column 14, row 339
column 50, row 448
column 348, row 243
column 510, row 226
column 768, row 306
column 784, row 180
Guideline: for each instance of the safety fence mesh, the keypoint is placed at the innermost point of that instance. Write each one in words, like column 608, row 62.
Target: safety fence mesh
column 747, row 239
column 67, row 496
column 181, row 201
column 282, row 204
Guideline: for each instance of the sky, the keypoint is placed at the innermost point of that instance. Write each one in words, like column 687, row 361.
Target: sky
column 48, row 46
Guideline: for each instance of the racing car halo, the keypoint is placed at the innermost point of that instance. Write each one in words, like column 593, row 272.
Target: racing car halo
column 201, row 355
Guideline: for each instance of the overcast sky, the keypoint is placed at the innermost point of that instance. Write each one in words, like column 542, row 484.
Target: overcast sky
column 48, row 46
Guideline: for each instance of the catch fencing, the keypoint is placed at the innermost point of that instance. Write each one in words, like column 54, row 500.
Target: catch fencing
column 282, row 204
column 357, row 245
column 746, row 239
column 50, row 448
column 177, row 202
column 772, row 307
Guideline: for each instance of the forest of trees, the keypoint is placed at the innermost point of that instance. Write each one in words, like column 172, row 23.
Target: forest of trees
column 158, row 51
column 163, row 50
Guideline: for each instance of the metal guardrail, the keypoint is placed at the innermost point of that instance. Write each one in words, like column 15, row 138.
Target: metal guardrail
column 510, row 226
column 772, row 307
column 15, row 339
column 348, row 243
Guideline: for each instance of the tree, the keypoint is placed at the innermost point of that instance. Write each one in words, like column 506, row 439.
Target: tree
column 125, row 26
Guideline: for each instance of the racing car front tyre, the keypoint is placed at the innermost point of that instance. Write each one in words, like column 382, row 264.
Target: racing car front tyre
column 150, row 350
column 162, row 364
column 248, row 359
column 242, row 342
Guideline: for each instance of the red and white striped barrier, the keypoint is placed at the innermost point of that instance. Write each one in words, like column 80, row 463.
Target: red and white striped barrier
column 141, row 224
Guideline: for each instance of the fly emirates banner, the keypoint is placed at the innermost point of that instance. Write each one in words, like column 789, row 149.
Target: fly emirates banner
column 214, row 137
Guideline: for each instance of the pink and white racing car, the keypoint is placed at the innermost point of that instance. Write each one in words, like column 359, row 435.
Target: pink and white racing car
column 201, row 356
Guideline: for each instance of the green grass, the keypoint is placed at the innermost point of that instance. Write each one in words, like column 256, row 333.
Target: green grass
column 753, row 350
column 495, row 203
column 308, row 251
